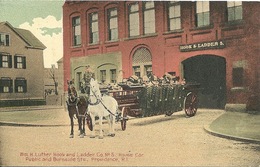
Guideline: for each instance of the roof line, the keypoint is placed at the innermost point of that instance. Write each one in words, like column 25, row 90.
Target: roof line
column 23, row 38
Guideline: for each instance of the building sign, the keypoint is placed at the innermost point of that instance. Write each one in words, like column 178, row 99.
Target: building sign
column 203, row 46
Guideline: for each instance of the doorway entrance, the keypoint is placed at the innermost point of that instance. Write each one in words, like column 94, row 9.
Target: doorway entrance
column 210, row 72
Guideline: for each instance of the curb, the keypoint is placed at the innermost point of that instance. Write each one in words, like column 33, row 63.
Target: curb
column 237, row 138
column 27, row 125
column 16, row 109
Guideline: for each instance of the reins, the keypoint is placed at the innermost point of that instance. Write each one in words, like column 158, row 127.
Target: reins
column 96, row 103
column 75, row 103
column 100, row 100
column 89, row 102
column 85, row 113
column 71, row 102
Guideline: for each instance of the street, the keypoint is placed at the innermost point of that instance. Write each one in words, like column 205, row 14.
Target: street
column 152, row 141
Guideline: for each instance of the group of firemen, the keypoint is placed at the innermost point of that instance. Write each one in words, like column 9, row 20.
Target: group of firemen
column 151, row 79
column 159, row 95
column 147, row 80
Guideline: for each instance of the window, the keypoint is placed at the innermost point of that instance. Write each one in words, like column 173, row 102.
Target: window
column 20, row 62
column 20, row 85
column 202, row 13
column 103, row 76
column 149, row 17
column 174, row 15
column 148, row 69
column 94, row 38
column 136, row 71
column 234, row 9
column 76, row 31
column 4, row 39
column 79, row 78
column 6, row 85
column 112, row 24
column 237, row 76
column 134, row 20
column 113, row 75
column 5, row 60
column 142, row 62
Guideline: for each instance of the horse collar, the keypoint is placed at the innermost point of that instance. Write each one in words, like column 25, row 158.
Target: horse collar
column 96, row 103
column 71, row 102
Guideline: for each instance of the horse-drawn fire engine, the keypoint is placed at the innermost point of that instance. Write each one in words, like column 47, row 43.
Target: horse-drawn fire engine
column 138, row 99
column 145, row 101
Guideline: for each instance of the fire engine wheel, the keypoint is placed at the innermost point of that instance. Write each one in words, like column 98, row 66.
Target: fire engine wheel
column 89, row 122
column 124, row 118
column 191, row 104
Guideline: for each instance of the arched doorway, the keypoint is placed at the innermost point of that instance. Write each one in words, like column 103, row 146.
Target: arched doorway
column 210, row 72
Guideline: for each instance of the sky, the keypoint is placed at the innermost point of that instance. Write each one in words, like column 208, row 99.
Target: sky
column 43, row 18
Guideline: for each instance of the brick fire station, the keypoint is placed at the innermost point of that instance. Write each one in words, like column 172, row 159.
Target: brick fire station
column 214, row 43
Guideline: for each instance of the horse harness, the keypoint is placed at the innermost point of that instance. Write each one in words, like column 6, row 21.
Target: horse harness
column 75, row 103
column 100, row 101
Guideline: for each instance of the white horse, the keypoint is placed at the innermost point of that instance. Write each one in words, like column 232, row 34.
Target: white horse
column 101, row 106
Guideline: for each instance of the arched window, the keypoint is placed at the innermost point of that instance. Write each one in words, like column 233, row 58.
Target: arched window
column 112, row 15
column 142, row 62
column 76, row 31
column 93, row 28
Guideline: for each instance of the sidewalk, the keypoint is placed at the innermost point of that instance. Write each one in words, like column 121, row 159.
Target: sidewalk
column 236, row 126
column 231, row 125
column 34, row 116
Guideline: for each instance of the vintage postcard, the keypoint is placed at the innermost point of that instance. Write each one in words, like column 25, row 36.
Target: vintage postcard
column 129, row 83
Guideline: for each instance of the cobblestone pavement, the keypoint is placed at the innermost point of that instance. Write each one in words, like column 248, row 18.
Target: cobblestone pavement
column 152, row 141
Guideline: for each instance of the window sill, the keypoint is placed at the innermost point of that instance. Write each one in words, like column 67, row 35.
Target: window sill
column 111, row 41
column 94, row 44
column 141, row 36
column 233, row 25
column 239, row 89
column 173, row 32
column 6, row 67
column 77, row 46
column 202, row 27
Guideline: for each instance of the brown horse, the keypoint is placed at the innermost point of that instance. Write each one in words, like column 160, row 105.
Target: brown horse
column 76, row 106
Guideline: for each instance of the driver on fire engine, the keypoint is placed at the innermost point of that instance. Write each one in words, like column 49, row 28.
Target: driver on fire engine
column 88, row 74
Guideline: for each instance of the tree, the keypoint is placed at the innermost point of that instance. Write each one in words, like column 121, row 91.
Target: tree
column 53, row 77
